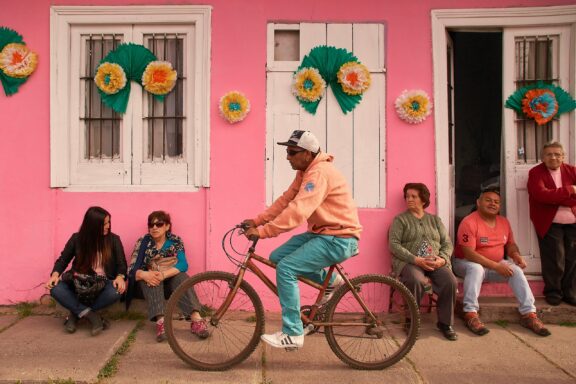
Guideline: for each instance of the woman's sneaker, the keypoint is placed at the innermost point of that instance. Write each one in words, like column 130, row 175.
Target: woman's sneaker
column 199, row 328
column 160, row 333
column 282, row 340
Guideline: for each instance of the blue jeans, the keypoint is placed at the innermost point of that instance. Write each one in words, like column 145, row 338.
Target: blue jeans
column 65, row 295
column 305, row 255
column 474, row 274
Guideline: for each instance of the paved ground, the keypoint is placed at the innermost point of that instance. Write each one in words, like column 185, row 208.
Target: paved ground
column 36, row 349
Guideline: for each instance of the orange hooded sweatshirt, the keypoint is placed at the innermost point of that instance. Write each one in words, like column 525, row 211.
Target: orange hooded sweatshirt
column 320, row 195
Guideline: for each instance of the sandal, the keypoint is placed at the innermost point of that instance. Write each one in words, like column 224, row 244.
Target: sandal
column 474, row 324
column 533, row 323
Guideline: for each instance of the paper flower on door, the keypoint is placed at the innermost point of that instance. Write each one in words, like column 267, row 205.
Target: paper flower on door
column 17, row 61
column 326, row 66
column 132, row 62
column 354, row 77
column 413, row 106
column 308, row 85
column 234, row 106
column 541, row 102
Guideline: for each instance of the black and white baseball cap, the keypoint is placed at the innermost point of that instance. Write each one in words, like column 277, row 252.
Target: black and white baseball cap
column 303, row 139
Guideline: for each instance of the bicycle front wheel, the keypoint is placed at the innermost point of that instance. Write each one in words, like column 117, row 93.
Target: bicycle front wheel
column 379, row 338
column 232, row 338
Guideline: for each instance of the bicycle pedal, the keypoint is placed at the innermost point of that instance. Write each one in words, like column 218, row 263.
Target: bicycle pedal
column 291, row 349
column 309, row 329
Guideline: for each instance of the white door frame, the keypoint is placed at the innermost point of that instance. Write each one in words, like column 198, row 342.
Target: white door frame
column 444, row 19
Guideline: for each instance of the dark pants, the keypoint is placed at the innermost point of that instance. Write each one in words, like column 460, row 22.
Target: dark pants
column 65, row 295
column 444, row 284
column 558, row 258
column 156, row 296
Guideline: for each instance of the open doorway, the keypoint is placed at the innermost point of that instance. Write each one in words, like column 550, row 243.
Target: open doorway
column 477, row 116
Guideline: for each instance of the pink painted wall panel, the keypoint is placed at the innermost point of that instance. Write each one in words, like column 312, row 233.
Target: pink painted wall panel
column 37, row 220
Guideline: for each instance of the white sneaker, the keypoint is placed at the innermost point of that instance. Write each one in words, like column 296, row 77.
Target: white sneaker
column 338, row 281
column 282, row 340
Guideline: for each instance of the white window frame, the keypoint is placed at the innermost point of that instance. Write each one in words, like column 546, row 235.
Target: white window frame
column 62, row 21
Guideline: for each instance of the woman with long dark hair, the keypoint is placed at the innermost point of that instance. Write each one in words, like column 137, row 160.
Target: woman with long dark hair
column 97, row 255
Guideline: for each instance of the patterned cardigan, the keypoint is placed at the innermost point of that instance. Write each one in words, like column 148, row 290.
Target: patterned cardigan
column 407, row 234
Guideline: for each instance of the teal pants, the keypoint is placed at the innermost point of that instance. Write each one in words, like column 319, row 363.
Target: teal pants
column 305, row 255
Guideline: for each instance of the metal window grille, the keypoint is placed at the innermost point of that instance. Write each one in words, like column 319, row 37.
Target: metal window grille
column 536, row 60
column 164, row 121
column 100, row 123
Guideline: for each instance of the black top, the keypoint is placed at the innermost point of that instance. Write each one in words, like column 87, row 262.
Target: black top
column 116, row 264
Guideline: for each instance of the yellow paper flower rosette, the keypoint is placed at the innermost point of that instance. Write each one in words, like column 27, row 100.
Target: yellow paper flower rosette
column 234, row 106
column 354, row 78
column 413, row 106
column 159, row 78
column 308, row 85
column 110, row 78
column 16, row 60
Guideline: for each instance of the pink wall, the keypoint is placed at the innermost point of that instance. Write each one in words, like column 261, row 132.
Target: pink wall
column 38, row 220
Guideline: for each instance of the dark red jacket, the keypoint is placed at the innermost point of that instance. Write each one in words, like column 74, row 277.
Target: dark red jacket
column 545, row 198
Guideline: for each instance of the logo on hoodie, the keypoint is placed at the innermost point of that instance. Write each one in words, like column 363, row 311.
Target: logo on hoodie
column 309, row 187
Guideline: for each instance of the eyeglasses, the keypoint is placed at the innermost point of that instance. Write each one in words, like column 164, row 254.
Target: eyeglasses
column 156, row 224
column 292, row 152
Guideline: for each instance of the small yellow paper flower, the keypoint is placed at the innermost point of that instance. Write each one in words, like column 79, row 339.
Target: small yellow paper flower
column 110, row 78
column 354, row 78
column 16, row 60
column 413, row 106
column 308, row 85
column 159, row 78
column 234, row 106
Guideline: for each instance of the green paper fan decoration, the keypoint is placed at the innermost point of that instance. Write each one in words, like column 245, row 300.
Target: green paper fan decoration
column 337, row 68
column 17, row 62
column 132, row 62
column 541, row 101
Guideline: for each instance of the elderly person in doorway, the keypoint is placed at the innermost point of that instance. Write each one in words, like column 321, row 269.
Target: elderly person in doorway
column 421, row 250
column 158, row 266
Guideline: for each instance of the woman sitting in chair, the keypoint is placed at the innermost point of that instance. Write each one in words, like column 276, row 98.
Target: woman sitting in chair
column 421, row 250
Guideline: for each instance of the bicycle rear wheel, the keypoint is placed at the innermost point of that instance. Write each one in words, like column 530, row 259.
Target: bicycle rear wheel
column 365, row 343
column 232, row 339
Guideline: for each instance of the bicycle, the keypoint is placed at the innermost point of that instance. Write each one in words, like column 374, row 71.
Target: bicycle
column 365, row 326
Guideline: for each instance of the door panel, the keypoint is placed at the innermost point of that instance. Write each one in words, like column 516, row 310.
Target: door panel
column 529, row 55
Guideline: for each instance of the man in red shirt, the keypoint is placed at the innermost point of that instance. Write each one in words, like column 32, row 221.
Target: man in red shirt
column 552, row 191
column 484, row 238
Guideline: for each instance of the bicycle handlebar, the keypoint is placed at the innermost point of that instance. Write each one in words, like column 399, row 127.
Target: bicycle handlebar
column 243, row 226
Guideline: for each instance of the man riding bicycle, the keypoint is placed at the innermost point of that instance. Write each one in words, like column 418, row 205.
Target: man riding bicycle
column 320, row 195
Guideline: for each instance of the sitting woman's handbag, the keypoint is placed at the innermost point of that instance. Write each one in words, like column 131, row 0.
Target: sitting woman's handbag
column 161, row 264
column 87, row 287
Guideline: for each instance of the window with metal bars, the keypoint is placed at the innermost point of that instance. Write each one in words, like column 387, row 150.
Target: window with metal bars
column 102, row 125
column 164, row 120
column 536, row 60
column 156, row 145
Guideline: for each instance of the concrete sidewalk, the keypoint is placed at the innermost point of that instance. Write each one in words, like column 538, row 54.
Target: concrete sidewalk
column 36, row 349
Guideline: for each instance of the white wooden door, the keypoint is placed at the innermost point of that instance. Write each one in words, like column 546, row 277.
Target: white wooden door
column 530, row 54
column 355, row 139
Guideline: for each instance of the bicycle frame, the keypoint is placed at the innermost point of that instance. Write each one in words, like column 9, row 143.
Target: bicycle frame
column 248, row 264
